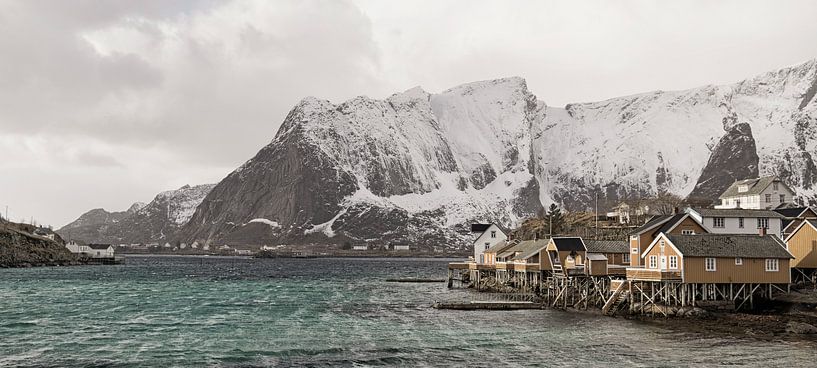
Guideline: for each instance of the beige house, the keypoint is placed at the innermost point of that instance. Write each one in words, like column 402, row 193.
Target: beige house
column 767, row 192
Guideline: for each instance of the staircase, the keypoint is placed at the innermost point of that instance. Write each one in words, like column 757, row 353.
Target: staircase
column 619, row 296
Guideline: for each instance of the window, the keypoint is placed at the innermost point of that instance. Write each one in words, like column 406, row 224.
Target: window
column 710, row 264
column 626, row 258
column 661, row 245
column 772, row 266
column 487, row 245
column 768, row 198
column 687, row 232
column 737, row 203
column 738, row 261
column 774, row 185
column 653, row 261
column 673, row 262
column 762, row 223
column 633, row 237
column 743, row 188
column 481, row 258
column 634, row 251
column 493, row 234
column 717, row 222
column 782, row 198
column 740, row 222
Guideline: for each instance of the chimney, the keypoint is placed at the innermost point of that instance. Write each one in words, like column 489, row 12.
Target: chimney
column 675, row 210
column 761, row 231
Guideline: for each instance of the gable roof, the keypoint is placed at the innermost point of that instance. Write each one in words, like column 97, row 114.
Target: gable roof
column 606, row 246
column 529, row 248
column 500, row 247
column 736, row 212
column 509, row 252
column 800, row 224
column 479, row 228
column 755, row 186
column 729, row 245
column 651, row 223
column 670, row 224
column 794, row 212
column 564, row 244
column 99, row 246
column 596, row 257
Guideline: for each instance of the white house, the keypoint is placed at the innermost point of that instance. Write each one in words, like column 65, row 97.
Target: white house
column 625, row 213
column 77, row 248
column 738, row 220
column 485, row 236
column 767, row 192
column 360, row 247
column 100, row 251
column 401, row 247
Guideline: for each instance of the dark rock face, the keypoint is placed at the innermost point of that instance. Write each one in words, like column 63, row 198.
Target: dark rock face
column 733, row 158
column 289, row 182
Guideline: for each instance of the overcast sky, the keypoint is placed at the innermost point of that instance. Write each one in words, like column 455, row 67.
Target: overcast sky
column 103, row 104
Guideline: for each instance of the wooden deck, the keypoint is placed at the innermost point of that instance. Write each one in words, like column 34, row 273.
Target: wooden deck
column 617, row 270
column 650, row 274
column 459, row 265
column 526, row 267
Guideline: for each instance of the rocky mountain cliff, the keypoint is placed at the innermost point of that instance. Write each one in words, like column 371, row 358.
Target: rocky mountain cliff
column 157, row 221
column 417, row 167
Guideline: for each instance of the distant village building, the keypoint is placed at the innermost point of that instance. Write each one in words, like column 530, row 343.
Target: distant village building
column 625, row 213
column 243, row 252
column 768, row 192
column 101, row 250
column 794, row 216
column 167, row 245
column 195, row 245
column 183, row 246
column 45, row 233
column 738, row 220
column 485, row 236
column 360, row 247
column 401, row 247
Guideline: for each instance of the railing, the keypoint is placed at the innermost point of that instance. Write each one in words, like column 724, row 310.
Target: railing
column 652, row 274
column 503, row 297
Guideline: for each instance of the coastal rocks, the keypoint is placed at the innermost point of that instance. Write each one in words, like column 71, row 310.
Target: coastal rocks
column 18, row 248
column 800, row 328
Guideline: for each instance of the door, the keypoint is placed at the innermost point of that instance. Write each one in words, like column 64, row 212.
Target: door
column 663, row 263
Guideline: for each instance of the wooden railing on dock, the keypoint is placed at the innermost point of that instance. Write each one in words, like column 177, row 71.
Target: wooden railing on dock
column 652, row 274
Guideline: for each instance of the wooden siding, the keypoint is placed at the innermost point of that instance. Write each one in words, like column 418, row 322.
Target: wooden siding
column 596, row 268
column 651, row 274
column 668, row 251
column 803, row 246
column 753, row 271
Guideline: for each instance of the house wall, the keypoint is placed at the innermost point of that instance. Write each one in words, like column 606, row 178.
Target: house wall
column 596, row 268
column 731, row 226
column 687, row 224
column 753, row 270
column 615, row 259
column 803, row 246
column 485, row 241
column 667, row 252
column 759, row 201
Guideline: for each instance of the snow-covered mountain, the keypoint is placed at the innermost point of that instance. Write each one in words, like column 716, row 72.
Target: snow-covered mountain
column 156, row 221
column 418, row 167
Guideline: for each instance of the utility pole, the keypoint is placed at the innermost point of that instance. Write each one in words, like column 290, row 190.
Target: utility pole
column 597, row 215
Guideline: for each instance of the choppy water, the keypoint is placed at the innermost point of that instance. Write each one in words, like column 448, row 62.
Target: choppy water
column 174, row 311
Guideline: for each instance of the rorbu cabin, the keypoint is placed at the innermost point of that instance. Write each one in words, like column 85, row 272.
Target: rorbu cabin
column 564, row 256
column 802, row 244
column 527, row 255
column 715, row 259
column 616, row 253
column 596, row 264
column 641, row 238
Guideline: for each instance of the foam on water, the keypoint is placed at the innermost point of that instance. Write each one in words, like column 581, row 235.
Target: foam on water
column 174, row 311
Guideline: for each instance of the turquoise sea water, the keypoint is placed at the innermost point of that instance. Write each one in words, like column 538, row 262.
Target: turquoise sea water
column 239, row 312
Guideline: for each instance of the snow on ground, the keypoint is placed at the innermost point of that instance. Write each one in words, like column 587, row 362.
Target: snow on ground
column 271, row 223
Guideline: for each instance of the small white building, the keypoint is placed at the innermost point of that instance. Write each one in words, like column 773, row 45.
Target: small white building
column 401, row 247
column 77, row 248
column 485, row 236
column 767, row 192
column 738, row 220
column 360, row 247
column 625, row 213
column 101, row 250
column 243, row 252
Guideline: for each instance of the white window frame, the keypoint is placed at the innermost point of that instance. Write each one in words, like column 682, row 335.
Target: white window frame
column 714, row 264
column 768, row 198
column 762, row 222
column 634, row 251
column 782, row 198
column 687, row 232
column 482, row 258
column 740, row 222
column 654, row 262
column 775, row 186
column 673, row 262
column 738, row 261
column 718, row 222
column 493, row 234
column 633, row 237
column 487, row 245
column 772, row 265
column 626, row 258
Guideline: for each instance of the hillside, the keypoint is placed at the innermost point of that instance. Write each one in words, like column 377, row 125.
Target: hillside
column 20, row 248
